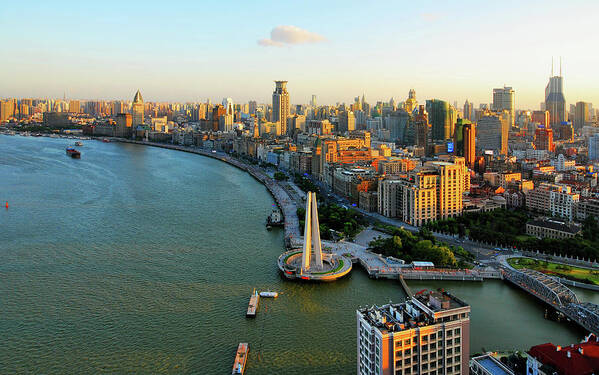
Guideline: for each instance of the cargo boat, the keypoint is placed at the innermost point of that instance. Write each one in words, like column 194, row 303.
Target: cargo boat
column 73, row 153
column 241, row 358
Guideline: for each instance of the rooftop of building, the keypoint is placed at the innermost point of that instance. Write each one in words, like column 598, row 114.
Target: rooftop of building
column 556, row 225
column 579, row 359
column 492, row 365
column 410, row 314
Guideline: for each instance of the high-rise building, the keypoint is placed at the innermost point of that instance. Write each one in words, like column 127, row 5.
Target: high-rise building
column 439, row 118
column 421, row 128
column 313, row 101
column 137, row 109
column 544, row 139
column 555, row 102
column 464, row 140
column 217, row 112
column 347, row 122
column 492, row 133
column 228, row 104
column 581, row 115
column 7, row 109
column 411, row 103
column 594, row 147
column 468, row 110
column 541, row 117
column 123, row 125
column 427, row 334
column 280, row 105
column 503, row 100
column 252, row 106
column 74, row 106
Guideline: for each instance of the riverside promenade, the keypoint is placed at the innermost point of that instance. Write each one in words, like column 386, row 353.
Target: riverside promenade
column 285, row 203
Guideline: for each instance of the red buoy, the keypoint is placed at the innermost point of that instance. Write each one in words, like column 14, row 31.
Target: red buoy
column 6, row 204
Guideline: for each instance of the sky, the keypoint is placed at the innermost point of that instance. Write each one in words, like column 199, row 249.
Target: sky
column 194, row 50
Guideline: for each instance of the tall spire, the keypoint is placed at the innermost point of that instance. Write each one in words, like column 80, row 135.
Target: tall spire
column 551, row 66
column 311, row 236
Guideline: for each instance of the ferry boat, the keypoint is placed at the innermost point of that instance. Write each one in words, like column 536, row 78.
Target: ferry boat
column 79, row 143
column 240, row 358
column 269, row 294
column 73, row 153
column 275, row 219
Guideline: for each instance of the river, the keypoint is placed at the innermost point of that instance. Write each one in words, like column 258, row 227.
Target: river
column 137, row 259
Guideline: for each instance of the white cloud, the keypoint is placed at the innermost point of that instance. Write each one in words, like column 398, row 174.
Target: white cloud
column 286, row 35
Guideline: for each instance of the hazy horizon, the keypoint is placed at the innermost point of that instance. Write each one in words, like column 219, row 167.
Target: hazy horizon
column 191, row 51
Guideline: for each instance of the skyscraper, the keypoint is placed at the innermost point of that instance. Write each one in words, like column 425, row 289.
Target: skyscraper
column 464, row 140
column 280, row 105
column 544, row 139
column 347, row 122
column 313, row 101
column 555, row 102
column 439, row 118
column 503, row 100
column 468, row 110
column 492, row 133
column 411, row 103
column 228, row 104
column 137, row 110
column 581, row 115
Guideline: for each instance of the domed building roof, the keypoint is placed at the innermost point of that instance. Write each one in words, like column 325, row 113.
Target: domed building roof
column 138, row 98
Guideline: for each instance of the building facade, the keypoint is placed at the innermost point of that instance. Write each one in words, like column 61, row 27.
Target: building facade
column 428, row 334
column 280, row 105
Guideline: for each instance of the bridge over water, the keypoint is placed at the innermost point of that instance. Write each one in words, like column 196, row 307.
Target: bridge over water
column 549, row 290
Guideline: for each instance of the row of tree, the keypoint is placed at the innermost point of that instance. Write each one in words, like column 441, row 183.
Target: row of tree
column 508, row 228
column 420, row 246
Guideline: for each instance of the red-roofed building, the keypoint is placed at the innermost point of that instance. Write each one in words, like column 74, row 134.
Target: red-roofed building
column 577, row 359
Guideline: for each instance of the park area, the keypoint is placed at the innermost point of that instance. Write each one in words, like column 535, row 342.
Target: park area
column 583, row 275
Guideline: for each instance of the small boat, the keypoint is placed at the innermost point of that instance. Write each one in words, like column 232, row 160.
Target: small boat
column 275, row 219
column 269, row 294
column 106, row 140
column 73, row 153
column 241, row 358
column 79, row 143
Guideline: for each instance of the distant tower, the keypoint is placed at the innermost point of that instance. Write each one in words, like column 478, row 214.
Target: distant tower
column 311, row 236
column 555, row 102
column 280, row 105
column 503, row 100
column 468, row 110
column 313, row 101
column 228, row 104
column 411, row 103
column 137, row 110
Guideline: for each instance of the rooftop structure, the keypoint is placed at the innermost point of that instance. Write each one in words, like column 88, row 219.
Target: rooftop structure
column 576, row 359
column 427, row 333
column 488, row 365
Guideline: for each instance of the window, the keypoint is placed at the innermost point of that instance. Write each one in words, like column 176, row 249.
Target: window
column 407, row 351
column 407, row 342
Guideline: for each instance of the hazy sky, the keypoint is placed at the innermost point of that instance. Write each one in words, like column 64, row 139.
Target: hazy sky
column 193, row 50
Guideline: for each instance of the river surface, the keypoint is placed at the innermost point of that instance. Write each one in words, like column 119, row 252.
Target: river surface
column 136, row 259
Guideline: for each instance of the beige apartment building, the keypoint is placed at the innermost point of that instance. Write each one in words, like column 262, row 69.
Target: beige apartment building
column 433, row 191
column 558, row 200
column 428, row 334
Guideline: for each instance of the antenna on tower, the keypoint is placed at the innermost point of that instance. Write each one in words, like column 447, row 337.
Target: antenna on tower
column 552, row 66
column 560, row 66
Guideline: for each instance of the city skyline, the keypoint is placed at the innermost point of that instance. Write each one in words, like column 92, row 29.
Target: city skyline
column 87, row 51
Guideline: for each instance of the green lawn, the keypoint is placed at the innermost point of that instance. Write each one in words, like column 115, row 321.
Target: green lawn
column 557, row 269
